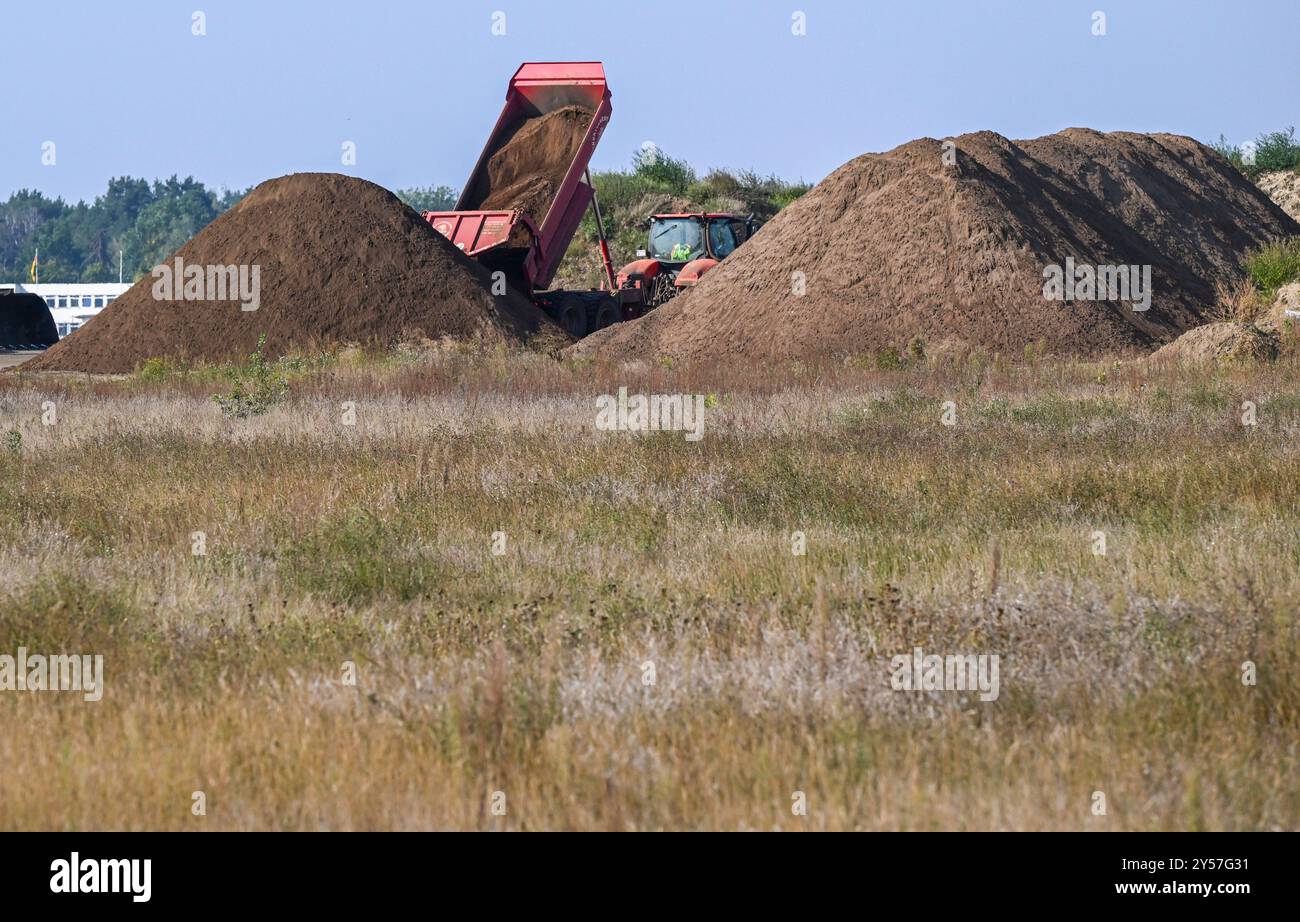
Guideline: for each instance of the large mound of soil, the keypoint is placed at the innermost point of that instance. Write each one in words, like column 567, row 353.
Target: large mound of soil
column 526, row 170
column 25, row 322
column 340, row 260
column 899, row 245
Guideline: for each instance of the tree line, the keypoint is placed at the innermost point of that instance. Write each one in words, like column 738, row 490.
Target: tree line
column 144, row 222
column 148, row 221
column 80, row 243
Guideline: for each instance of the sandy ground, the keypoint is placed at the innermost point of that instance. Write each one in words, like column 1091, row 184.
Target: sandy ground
column 9, row 359
column 1283, row 188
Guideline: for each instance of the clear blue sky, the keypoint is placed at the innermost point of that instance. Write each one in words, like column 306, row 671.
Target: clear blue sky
column 124, row 88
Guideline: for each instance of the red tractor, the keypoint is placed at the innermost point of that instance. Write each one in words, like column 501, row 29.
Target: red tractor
column 681, row 249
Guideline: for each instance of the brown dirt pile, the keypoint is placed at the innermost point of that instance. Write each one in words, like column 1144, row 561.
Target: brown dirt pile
column 898, row 245
column 1217, row 342
column 527, row 168
column 340, row 260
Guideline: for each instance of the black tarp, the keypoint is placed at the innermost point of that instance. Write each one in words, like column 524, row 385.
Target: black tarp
column 26, row 322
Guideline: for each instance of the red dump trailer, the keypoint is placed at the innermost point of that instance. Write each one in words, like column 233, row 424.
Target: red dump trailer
column 528, row 247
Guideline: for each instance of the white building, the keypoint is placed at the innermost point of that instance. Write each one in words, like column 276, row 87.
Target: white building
column 71, row 304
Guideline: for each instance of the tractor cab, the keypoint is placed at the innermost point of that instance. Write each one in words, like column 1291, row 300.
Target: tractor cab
column 677, row 239
column 681, row 248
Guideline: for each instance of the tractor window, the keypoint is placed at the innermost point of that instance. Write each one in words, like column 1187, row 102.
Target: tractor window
column 722, row 239
column 725, row 234
column 676, row 240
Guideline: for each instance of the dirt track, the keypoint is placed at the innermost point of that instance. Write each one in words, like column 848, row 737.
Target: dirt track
column 11, row 359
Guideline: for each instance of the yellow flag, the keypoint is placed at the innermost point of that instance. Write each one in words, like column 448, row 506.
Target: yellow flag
column 33, row 269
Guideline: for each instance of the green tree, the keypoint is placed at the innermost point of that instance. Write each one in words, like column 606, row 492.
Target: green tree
column 429, row 198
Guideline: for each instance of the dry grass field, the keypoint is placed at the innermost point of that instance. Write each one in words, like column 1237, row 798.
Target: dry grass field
column 326, row 543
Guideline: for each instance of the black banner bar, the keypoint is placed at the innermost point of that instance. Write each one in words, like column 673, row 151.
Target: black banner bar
column 333, row 871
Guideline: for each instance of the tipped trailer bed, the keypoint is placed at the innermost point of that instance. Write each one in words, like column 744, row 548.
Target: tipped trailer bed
column 528, row 247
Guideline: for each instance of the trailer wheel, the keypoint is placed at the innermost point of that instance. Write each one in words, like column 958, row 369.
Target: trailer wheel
column 572, row 315
column 607, row 314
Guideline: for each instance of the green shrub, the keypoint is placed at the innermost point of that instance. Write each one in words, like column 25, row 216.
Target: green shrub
column 788, row 193
column 1273, row 151
column 255, row 386
column 663, row 171
column 889, row 359
column 1277, row 150
column 153, row 369
column 1274, row 265
column 1229, row 152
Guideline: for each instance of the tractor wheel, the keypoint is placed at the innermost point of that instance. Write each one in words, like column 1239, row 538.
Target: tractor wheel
column 572, row 315
column 607, row 314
